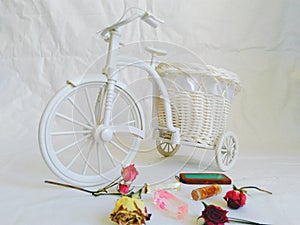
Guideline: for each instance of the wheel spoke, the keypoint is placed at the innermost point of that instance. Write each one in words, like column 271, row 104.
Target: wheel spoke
column 116, row 98
column 226, row 144
column 58, row 133
column 227, row 159
column 224, row 156
column 99, row 157
column 223, row 150
column 73, row 121
column 72, row 144
column 86, row 164
column 129, row 129
column 165, row 146
column 80, row 111
column 90, row 106
column 128, row 122
column 118, row 147
column 75, row 157
column 229, row 142
column 109, row 154
column 232, row 146
column 120, row 113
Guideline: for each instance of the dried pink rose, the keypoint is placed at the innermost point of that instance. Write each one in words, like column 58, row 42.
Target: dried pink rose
column 129, row 173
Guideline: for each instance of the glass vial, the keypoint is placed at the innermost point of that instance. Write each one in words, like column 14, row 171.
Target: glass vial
column 206, row 192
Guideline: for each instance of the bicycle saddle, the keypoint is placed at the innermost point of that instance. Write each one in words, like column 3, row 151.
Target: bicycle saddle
column 155, row 51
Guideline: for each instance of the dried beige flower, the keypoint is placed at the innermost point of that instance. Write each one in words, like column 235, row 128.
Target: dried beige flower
column 129, row 211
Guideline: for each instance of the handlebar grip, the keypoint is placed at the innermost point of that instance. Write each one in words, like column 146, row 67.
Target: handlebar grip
column 146, row 17
column 151, row 20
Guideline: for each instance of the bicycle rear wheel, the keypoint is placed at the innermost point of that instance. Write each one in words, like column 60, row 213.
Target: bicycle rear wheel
column 166, row 149
column 227, row 151
column 75, row 144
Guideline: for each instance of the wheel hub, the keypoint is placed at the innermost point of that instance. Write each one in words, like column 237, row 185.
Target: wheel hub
column 103, row 134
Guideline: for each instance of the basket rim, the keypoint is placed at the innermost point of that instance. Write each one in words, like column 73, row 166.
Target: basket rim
column 198, row 70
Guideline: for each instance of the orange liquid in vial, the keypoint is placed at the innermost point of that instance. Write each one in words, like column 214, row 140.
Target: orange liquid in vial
column 206, row 192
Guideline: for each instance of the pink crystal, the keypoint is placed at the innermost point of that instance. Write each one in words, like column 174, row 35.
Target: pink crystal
column 171, row 204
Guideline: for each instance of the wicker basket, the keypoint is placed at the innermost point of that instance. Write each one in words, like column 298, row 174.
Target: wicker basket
column 201, row 113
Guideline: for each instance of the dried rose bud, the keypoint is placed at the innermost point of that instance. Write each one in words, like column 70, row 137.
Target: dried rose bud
column 235, row 199
column 129, row 173
column 124, row 189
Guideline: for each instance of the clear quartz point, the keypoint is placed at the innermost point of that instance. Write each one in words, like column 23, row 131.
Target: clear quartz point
column 170, row 204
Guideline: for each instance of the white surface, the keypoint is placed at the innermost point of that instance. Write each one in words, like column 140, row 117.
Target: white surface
column 45, row 43
column 26, row 200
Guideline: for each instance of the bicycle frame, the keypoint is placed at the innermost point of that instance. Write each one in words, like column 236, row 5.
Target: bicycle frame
column 114, row 60
column 85, row 139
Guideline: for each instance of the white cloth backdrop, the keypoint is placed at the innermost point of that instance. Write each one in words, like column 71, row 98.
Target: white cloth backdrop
column 43, row 43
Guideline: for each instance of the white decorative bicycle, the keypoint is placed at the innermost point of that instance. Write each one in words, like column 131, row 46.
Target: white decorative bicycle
column 94, row 125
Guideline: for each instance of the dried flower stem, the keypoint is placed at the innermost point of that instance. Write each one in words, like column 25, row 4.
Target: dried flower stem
column 99, row 192
column 236, row 220
column 111, row 184
column 68, row 186
column 105, row 193
column 248, row 187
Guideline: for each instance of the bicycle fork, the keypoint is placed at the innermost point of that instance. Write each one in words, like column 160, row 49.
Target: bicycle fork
column 110, row 95
column 104, row 130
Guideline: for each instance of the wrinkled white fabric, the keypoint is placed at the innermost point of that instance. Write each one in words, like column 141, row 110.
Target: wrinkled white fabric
column 44, row 43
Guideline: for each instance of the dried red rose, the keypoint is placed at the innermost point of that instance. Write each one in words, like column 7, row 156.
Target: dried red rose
column 214, row 215
column 235, row 199
column 129, row 173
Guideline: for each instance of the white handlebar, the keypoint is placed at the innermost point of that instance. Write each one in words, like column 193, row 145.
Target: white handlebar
column 147, row 17
column 151, row 20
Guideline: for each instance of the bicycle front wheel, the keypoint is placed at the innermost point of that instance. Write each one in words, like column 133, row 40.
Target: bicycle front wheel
column 75, row 144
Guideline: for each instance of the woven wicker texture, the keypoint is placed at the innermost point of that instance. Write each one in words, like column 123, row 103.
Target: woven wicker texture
column 200, row 115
